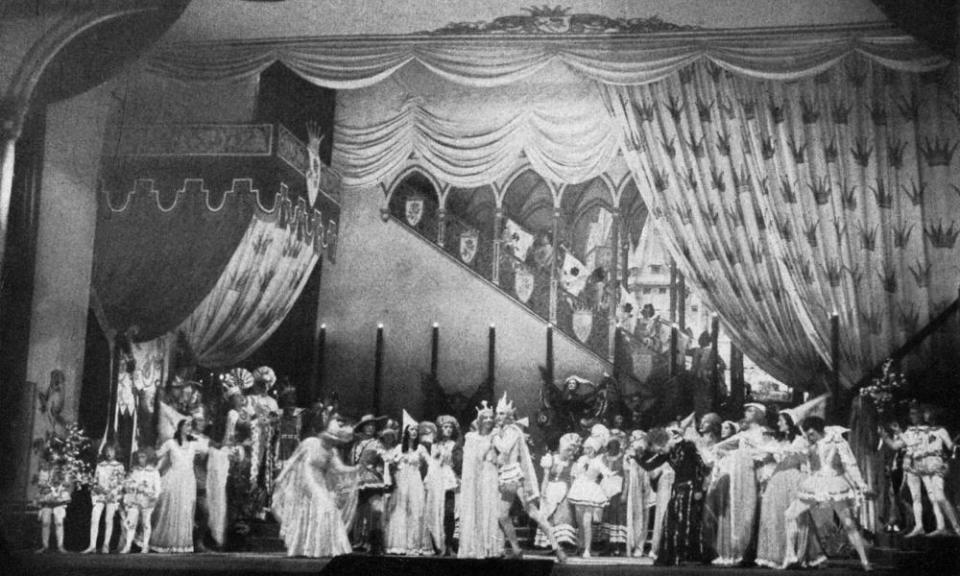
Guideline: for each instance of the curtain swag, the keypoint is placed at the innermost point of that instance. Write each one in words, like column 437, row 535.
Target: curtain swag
column 351, row 63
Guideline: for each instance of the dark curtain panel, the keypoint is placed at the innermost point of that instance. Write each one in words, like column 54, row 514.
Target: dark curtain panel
column 933, row 22
column 153, row 265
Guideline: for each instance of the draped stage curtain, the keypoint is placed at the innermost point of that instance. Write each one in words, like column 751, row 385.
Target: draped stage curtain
column 729, row 134
column 223, row 275
column 258, row 288
column 787, row 202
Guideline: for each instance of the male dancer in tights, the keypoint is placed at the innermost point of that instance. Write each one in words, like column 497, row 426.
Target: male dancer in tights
column 517, row 478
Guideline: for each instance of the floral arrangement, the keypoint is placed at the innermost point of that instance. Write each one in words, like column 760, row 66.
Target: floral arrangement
column 66, row 453
column 882, row 391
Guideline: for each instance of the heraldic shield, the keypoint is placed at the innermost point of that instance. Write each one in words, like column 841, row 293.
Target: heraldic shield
column 414, row 212
column 468, row 245
column 583, row 324
column 523, row 283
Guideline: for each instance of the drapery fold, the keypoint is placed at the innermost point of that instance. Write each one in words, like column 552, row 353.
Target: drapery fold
column 258, row 288
column 787, row 202
column 572, row 144
column 351, row 63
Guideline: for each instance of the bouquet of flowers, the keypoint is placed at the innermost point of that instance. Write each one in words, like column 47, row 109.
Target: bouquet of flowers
column 883, row 390
column 65, row 452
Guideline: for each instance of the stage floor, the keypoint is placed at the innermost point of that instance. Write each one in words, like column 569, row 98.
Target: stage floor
column 248, row 563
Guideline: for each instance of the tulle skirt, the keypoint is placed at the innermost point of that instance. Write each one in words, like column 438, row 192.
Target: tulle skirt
column 556, row 508
column 310, row 522
column 173, row 516
column 817, row 489
column 583, row 492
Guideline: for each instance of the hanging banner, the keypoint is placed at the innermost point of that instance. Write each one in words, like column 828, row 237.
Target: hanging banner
column 468, row 245
column 523, row 283
column 574, row 277
column 414, row 211
column 583, row 324
column 516, row 240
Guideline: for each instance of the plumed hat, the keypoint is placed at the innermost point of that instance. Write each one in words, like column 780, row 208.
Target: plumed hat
column 266, row 376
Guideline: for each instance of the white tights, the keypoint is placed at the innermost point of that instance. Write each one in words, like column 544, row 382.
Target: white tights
column 95, row 525
column 130, row 523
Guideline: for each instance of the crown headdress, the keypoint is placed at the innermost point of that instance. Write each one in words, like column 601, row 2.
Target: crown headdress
column 505, row 405
column 484, row 409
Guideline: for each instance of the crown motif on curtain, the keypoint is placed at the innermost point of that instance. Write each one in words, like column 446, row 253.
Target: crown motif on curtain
column 889, row 280
column 809, row 111
column 723, row 144
column 733, row 256
column 834, row 271
column 868, row 238
column 686, row 75
column 901, row 235
column 878, row 113
column 785, row 229
column 862, row 152
column 798, row 151
column 670, row 148
column 810, row 231
column 661, row 180
column 938, row 152
column 848, row 196
column 882, row 195
column 895, row 149
column 716, row 178
column 741, row 179
column 767, row 148
column 915, row 193
column 645, row 112
column 841, row 112
column 821, row 190
column 691, row 179
column 777, row 112
column 830, row 152
column 921, row 274
column 756, row 290
column 942, row 237
column 696, row 145
column 749, row 106
column 704, row 110
column 675, row 107
column 504, row 405
column 874, row 320
column 909, row 318
column 787, row 191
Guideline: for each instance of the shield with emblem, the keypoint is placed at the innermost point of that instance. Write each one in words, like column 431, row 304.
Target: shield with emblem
column 523, row 283
column 468, row 245
column 414, row 210
column 583, row 324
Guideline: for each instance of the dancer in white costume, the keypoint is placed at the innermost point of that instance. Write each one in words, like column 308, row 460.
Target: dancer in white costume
column 305, row 499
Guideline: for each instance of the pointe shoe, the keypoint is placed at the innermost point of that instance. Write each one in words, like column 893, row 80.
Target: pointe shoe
column 939, row 532
column 918, row 531
column 561, row 555
column 125, row 550
column 586, row 554
column 89, row 550
column 104, row 550
column 868, row 567
column 42, row 550
column 62, row 550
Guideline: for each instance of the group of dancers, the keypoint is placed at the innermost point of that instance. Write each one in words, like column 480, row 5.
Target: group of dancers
column 702, row 491
column 714, row 492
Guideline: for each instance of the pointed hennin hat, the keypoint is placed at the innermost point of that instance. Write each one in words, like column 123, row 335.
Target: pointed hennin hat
column 408, row 421
column 813, row 407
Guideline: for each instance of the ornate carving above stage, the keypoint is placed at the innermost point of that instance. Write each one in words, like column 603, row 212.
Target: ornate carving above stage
column 556, row 20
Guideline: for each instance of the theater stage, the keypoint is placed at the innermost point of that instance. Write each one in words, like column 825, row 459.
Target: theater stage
column 250, row 564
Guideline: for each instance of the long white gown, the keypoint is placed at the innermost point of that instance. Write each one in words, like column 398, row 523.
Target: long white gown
column 173, row 516
column 480, row 534
column 305, row 505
